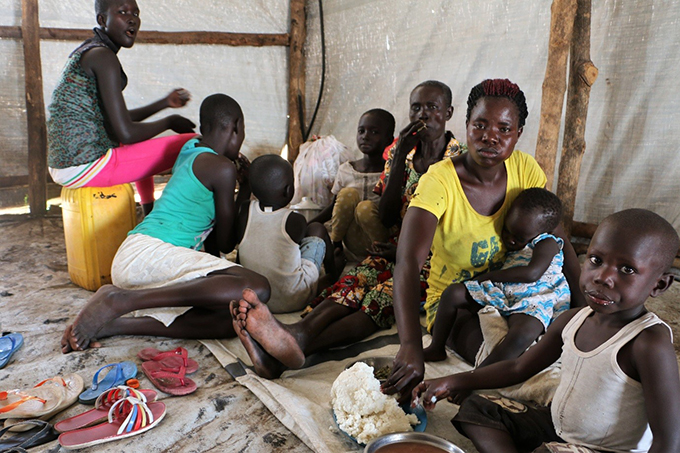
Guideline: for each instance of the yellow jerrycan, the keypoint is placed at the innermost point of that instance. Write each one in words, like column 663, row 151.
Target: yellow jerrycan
column 96, row 222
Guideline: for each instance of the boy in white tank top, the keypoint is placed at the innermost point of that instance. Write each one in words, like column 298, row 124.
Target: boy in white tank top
column 619, row 390
column 277, row 242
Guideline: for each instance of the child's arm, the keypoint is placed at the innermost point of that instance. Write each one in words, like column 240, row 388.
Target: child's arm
column 325, row 214
column 296, row 227
column 500, row 374
column 655, row 360
column 103, row 64
column 176, row 99
column 218, row 174
column 541, row 258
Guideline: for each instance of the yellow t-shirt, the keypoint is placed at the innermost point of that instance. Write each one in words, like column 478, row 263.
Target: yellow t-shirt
column 466, row 243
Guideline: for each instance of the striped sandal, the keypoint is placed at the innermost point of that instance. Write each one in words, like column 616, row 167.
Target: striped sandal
column 127, row 417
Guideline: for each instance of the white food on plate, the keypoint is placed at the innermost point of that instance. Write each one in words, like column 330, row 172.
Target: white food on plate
column 362, row 410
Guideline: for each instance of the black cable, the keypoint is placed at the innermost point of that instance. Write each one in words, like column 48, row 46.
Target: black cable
column 305, row 134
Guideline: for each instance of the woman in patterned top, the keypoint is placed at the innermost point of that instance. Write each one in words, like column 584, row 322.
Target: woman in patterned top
column 93, row 139
column 360, row 303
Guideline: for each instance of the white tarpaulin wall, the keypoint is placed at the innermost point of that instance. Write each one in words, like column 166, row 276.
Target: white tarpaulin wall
column 257, row 77
column 377, row 51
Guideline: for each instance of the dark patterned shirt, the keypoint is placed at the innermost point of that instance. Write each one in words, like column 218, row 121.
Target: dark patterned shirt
column 77, row 129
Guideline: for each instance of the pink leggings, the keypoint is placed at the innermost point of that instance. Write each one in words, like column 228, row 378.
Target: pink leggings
column 139, row 162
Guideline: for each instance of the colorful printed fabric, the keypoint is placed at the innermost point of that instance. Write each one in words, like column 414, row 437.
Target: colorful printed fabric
column 368, row 287
column 411, row 176
column 543, row 299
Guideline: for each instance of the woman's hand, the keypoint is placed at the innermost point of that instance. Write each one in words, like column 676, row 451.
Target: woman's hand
column 178, row 98
column 409, row 137
column 180, row 124
column 385, row 250
column 408, row 370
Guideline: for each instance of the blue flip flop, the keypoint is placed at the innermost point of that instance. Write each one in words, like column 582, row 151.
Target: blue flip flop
column 9, row 344
column 118, row 374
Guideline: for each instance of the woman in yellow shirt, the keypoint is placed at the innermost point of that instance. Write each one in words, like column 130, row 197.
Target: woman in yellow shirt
column 458, row 212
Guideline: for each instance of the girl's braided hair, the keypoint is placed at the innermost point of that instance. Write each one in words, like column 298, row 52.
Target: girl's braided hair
column 499, row 88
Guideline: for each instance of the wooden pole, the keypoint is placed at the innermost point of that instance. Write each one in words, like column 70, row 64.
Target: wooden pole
column 296, row 77
column 35, row 109
column 562, row 13
column 582, row 75
column 162, row 37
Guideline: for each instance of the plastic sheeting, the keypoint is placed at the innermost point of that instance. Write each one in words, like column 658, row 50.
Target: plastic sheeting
column 378, row 51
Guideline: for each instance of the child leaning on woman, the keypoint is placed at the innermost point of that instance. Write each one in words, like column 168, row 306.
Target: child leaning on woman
column 530, row 289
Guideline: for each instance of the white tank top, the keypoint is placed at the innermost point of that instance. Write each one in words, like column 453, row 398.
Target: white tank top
column 596, row 404
column 267, row 249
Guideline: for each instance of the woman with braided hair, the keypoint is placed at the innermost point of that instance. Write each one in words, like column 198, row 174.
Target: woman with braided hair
column 457, row 213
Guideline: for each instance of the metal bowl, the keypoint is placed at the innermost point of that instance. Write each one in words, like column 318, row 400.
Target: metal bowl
column 419, row 438
column 376, row 363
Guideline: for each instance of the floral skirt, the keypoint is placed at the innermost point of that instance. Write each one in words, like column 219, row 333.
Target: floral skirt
column 368, row 287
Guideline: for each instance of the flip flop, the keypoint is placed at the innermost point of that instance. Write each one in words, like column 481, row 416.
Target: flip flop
column 169, row 380
column 102, row 407
column 9, row 344
column 127, row 417
column 31, row 403
column 118, row 374
column 71, row 384
column 41, row 433
column 169, row 359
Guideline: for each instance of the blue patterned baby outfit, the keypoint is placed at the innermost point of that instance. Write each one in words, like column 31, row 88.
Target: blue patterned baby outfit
column 543, row 299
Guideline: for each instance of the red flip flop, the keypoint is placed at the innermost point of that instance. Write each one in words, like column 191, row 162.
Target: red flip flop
column 169, row 380
column 126, row 417
column 102, row 407
column 169, row 359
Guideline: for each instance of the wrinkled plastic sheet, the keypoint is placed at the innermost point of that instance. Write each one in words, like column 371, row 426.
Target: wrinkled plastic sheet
column 378, row 51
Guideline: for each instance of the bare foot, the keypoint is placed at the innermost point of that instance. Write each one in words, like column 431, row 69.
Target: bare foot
column 103, row 307
column 431, row 354
column 66, row 340
column 270, row 333
column 265, row 365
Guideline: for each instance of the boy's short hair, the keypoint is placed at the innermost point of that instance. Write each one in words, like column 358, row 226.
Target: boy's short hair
column 544, row 201
column 385, row 117
column 269, row 174
column 219, row 110
column 644, row 221
column 446, row 91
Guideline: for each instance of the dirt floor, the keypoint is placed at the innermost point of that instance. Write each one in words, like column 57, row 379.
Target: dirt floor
column 38, row 300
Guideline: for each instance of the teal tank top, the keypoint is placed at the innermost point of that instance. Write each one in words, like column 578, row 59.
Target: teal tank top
column 185, row 214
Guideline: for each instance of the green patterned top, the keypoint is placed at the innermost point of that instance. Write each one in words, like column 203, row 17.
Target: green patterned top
column 76, row 129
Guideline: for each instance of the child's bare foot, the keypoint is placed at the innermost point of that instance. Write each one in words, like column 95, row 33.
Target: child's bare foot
column 103, row 307
column 270, row 333
column 431, row 354
column 265, row 365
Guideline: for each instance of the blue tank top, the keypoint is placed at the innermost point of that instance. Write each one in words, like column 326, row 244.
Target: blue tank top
column 185, row 214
